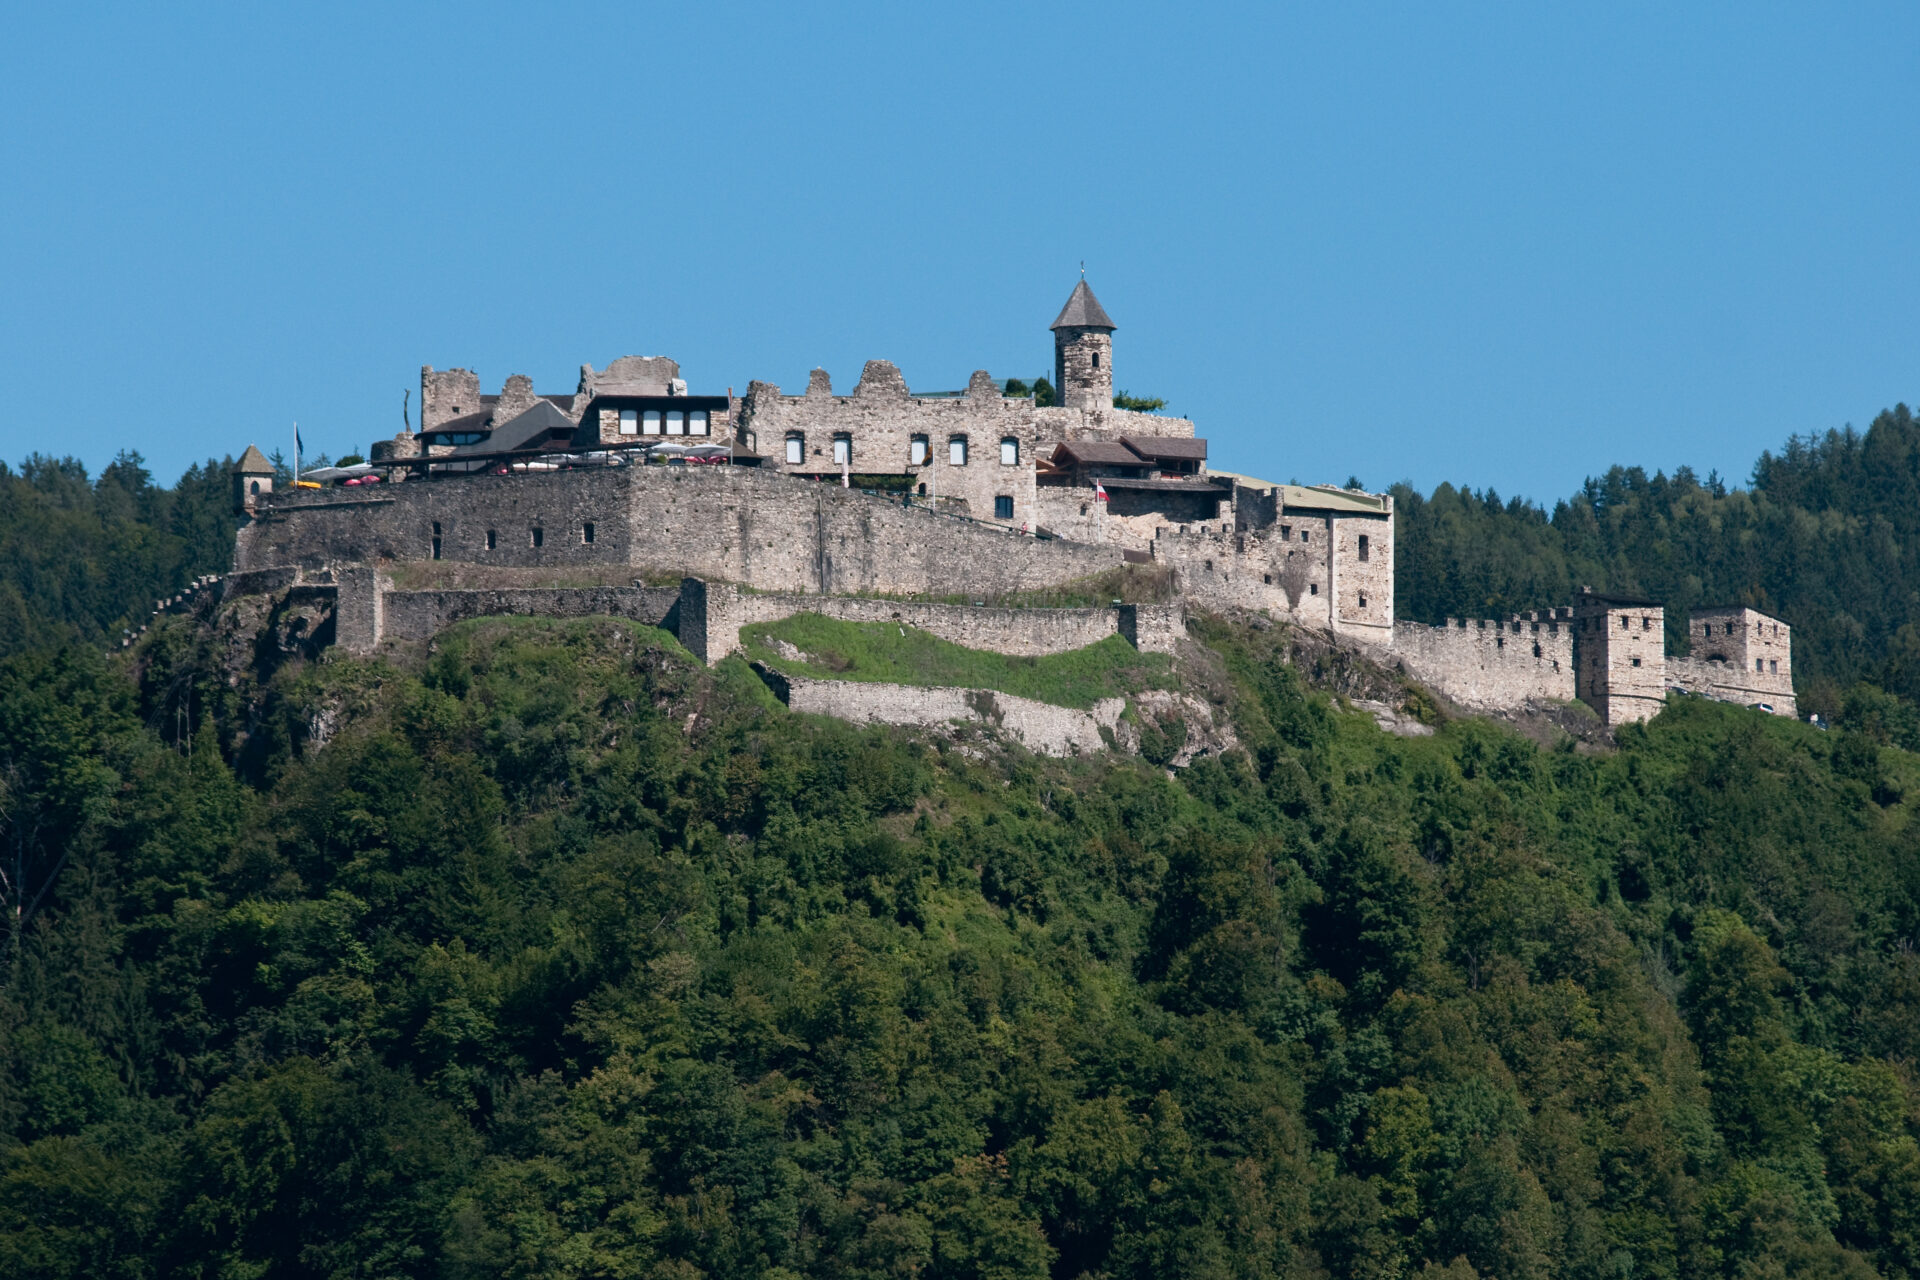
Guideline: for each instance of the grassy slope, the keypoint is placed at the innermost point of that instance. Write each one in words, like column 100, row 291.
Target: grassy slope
column 888, row 653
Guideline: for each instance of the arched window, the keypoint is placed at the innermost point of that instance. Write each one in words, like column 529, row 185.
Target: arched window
column 255, row 486
column 1009, row 452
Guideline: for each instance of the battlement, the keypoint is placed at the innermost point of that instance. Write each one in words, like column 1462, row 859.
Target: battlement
column 1492, row 664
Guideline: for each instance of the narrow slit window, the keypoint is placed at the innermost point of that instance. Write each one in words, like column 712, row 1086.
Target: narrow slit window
column 586, row 532
column 1363, row 546
column 436, row 539
column 1313, row 588
column 539, row 536
column 493, row 539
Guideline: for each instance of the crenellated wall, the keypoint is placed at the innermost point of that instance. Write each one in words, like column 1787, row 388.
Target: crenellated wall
column 1490, row 664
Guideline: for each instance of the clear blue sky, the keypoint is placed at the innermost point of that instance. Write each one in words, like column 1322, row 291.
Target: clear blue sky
column 1504, row 245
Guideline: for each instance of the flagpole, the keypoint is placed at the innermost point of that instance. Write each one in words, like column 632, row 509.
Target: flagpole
column 296, row 453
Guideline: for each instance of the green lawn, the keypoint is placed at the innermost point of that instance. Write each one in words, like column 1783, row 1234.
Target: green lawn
column 889, row 653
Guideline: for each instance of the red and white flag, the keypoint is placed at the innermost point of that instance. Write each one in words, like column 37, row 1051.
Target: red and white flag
column 1099, row 492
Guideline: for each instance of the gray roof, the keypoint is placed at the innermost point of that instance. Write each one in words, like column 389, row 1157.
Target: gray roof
column 1178, row 448
column 1097, row 453
column 537, row 421
column 253, row 463
column 1083, row 311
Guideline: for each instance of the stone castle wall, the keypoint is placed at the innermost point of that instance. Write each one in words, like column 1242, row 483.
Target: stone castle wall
column 419, row 615
column 1488, row 664
column 1305, row 569
column 1039, row 726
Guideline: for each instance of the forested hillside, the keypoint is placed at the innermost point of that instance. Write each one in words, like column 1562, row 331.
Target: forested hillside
column 1827, row 537
column 565, row 957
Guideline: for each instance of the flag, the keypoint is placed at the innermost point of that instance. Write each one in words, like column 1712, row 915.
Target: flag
column 1099, row 492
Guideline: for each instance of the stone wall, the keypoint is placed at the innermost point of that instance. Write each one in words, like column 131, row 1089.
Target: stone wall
column 359, row 608
column 1725, row 681
column 1488, row 664
column 1305, row 569
column 418, row 615
column 713, row 613
column 882, row 418
column 1039, row 726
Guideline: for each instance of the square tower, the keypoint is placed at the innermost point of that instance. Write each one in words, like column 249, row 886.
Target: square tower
column 1619, row 656
column 1748, row 654
column 1083, row 352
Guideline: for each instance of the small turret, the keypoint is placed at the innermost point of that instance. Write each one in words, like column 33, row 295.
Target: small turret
column 1083, row 352
column 252, row 477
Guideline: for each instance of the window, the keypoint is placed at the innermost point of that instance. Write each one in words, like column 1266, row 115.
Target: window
column 436, row 539
column 493, row 539
column 586, row 532
column 1646, row 624
column 1773, row 666
column 254, row 487
column 1759, row 664
column 629, row 422
column 917, row 451
column 676, row 422
column 1003, row 507
column 1009, row 452
column 923, row 491
column 1267, row 578
column 1363, row 546
column 1286, row 533
column 1626, row 624
column 1096, row 359
column 957, row 451
column 1536, row 648
column 1306, row 535
column 697, row 422
column 842, row 450
column 1313, row 588
column 650, row 422
column 539, row 536
column 1363, row 602
column 796, row 450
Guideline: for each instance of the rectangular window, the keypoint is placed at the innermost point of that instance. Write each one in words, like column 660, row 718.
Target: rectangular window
column 1759, row 664
column 957, row 451
column 796, row 450
column 1003, row 507
column 1646, row 624
column 1306, row 535
column 586, row 532
column 1286, row 533
column 1626, row 624
column 697, row 422
column 917, row 452
column 539, row 536
column 1363, row 546
column 650, row 422
column 492, row 539
column 436, row 539
column 1636, row 662
column 1313, row 588
column 676, row 422
column 629, row 422
column 842, row 450
column 1773, row 666
column 1009, row 452
column 1363, row 602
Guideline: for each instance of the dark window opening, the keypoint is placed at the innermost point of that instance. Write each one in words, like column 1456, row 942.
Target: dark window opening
column 586, row 532
column 493, row 539
column 1363, row 546
column 1363, row 602
column 1636, row 662
column 255, row 486
column 1209, row 564
column 1313, row 589
column 1306, row 535
column 1536, row 648
column 1267, row 578
column 1626, row 624
column 539, row 537
column 923, row 491
column 1096, row 359
column 436, row 539
column 1003, row 508
column 1500, row 642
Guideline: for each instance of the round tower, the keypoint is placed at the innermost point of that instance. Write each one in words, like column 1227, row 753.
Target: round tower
column 1083, row 352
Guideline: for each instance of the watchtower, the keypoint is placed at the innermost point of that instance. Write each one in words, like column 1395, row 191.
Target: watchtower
column 252, row 476
column 1083, row 352
column 1619, row 656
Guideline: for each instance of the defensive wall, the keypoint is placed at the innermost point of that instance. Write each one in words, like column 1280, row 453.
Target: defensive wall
column 1039, row 726
column 1310, row 569
column 1491, row 664
column 764, row 530
column 418, row 615
column 712, row 615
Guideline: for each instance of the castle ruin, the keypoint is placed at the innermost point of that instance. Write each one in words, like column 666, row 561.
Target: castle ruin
column 921, row 498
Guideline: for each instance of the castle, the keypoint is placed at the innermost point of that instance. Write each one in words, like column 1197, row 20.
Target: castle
column 826, row 501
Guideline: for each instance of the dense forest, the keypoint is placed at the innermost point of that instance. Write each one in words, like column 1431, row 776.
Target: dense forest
column 552, row 953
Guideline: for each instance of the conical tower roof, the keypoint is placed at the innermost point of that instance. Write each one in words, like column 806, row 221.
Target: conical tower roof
column 253, row 463
column 1083, row 311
